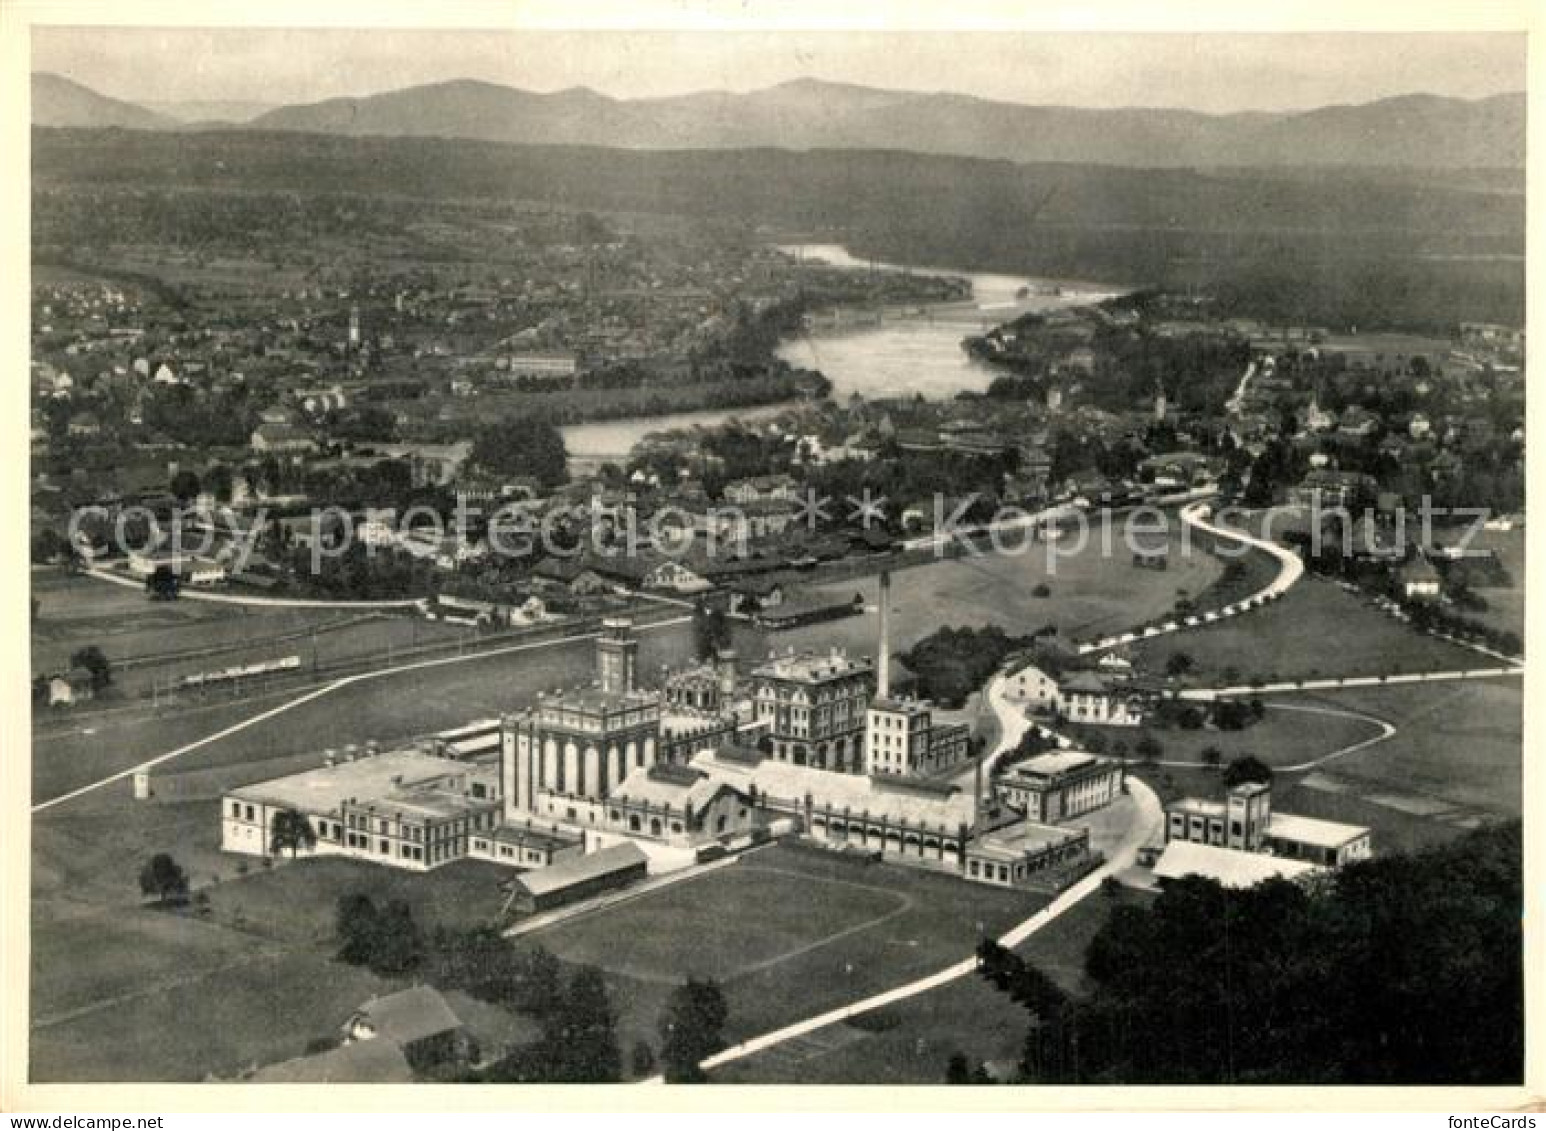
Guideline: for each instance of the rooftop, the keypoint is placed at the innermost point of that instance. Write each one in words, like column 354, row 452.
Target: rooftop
column 372, row 777
column 1231, row 868
column 359, row 1062
column 901, row 706
column 1197, row 806
column 814, row 667
column 409, row 1015
column 577, row 869
column 1311, row 830
column 1054, row 764
column 1011, row 842
column 894, row 801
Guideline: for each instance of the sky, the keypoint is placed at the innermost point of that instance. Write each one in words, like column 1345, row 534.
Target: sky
column 1215, row 72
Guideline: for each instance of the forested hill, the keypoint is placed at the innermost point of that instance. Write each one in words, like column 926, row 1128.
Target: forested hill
column 1380, row 248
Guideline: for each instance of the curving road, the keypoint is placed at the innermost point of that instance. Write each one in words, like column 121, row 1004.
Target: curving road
column 1290, row 570
column 1013, row 723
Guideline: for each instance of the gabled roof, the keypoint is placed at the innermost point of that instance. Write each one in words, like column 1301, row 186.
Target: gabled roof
column 577, row 869
column 409, row 1015
column 359, row 1062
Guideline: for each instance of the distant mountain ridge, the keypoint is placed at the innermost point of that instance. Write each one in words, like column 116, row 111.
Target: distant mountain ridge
column 59, row 102
column 1412, row 131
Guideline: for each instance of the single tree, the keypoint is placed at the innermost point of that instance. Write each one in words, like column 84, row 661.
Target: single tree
column 711, row 630
column 1212, row 757
column 642, row 1062
column 958, row 1070
column 291, row 831
column 581, row 1037
column 163, row 878
column 1149, row 748
column 1179, row 664
column 163, row 584
column 94, row 661
column 1247, row 768
column 184, row 485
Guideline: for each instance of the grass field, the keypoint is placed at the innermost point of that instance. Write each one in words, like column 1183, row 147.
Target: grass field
column 208, row 1018
column 125, row 991
column 154, row 640
column 825, row 930
column 1317, row 630
column 386, row 709
column 1092, row 593
column 296, row 903
column 911, row 1041
column 1458, row 742
column 1505, row 604
column 1283, row 737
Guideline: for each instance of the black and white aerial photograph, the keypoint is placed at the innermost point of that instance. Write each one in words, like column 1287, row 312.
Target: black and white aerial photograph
column 754, row 554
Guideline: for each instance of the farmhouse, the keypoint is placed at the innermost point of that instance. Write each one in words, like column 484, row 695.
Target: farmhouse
column 1419, row 581
column 281, row 438
column 74, row 686
column 1089, row 697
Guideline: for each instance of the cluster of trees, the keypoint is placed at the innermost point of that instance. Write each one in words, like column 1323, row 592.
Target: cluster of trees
column 1406, row 970
column 902, row 478
column 363, row 572
column 691, row 1030
column 200, row 419
column 952, row 663
column 521, row 446
column 1428, row 617
column 1226, row 714
column 578, row 1020
column 384, row 938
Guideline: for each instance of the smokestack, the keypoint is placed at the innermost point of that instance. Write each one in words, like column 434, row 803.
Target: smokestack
column 883, row 659
column 977, row 787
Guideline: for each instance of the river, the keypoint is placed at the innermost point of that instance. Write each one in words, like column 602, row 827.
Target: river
column 916, row 353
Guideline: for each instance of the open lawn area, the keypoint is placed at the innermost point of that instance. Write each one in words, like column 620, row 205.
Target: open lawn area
column 1317, row 630
column 1092, row 593
column 1505, row 604
column 1287, row 735
column 161, row 641
column 788, row 931
column 911, row 1041
column 297, row 903
column 75, row 610
column 121, row 990
column 223, row 1004
column 1459, row 743
column 387, row 709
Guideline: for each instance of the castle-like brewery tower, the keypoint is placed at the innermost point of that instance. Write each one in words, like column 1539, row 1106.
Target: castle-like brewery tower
column 579, row 745
column 617, row 656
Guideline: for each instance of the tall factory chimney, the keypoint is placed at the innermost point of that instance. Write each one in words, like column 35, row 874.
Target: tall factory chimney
column 883, row 658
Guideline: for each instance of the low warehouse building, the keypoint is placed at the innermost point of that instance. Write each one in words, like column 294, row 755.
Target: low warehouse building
column 578, row 877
